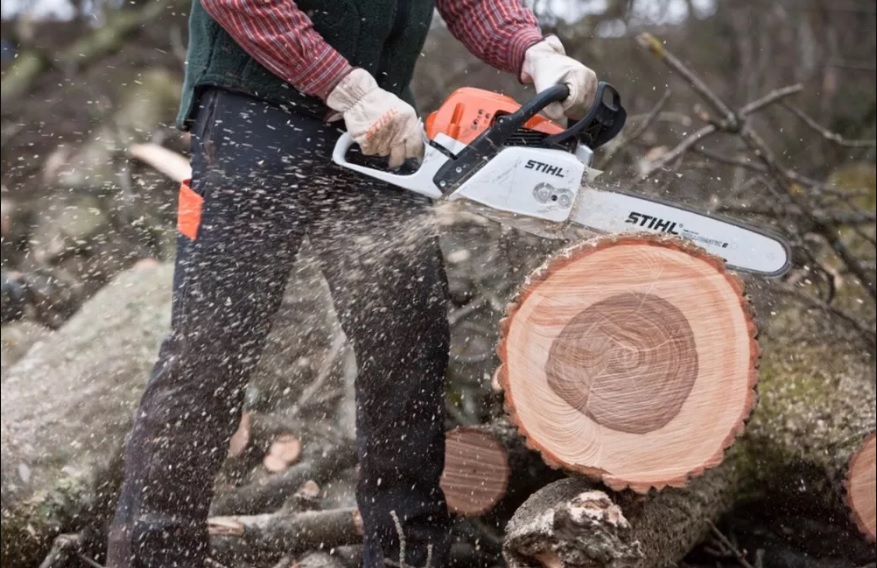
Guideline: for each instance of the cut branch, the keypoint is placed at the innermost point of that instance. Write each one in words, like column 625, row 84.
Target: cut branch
column 270, row 492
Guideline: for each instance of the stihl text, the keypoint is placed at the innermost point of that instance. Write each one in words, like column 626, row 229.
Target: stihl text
column 544, row 168
column 650, row 222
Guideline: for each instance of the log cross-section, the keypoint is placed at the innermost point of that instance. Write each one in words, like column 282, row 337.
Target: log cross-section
column 860, row 487
column 476, row 472
column 630, row 359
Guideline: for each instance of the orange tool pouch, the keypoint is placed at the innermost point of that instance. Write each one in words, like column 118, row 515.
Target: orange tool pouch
column 189, row 210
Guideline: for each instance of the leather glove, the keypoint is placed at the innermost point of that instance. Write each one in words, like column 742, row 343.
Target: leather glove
column 379, row 121
column 546, row 64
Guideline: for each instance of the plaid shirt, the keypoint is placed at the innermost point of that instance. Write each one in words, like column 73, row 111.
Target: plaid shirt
column 282, row 38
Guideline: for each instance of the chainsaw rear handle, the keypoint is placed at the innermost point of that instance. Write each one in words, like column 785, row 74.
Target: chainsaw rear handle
column 419, row 182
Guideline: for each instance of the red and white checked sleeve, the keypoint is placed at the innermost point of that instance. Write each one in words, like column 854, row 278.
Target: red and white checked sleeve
column 281, row 37
column 496, row 31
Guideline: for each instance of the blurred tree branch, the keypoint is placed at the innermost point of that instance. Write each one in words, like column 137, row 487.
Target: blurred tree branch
column 807, row 209
column 109, row 38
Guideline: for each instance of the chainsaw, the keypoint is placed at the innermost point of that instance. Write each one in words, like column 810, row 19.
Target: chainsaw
column 508, row 162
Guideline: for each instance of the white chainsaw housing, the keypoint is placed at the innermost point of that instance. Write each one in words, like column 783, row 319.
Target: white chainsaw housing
column 535, row 182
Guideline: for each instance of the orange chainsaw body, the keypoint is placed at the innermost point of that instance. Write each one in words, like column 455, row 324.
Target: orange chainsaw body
column 469, row 111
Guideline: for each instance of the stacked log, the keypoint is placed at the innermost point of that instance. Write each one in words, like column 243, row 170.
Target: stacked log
column 628, row 369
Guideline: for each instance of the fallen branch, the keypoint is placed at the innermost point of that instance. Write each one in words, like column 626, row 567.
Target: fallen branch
column 274, row 535
column 652, row 44
column 573, row 522
column 270, row 492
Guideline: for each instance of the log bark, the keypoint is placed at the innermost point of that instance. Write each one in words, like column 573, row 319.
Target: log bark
column 815, row 422
column 631, row 360
column 66, row 408
column 575, row 522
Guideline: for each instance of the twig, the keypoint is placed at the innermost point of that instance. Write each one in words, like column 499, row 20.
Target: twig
column 828, row 134
column 816, row 185
column 680, row 149
column 828, row 231
column 638, row 131
column 770, row 98
column 741, row 558
column 652, row 43
column 467, row 310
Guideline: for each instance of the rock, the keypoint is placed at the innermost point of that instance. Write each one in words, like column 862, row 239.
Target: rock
column 16, row 338
column 67, row 406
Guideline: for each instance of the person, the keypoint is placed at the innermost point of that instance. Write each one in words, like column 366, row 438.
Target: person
column 268, row 86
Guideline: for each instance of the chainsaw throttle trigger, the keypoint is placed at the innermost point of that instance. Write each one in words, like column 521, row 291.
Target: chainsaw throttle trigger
column 603, row 121
column 488, row 144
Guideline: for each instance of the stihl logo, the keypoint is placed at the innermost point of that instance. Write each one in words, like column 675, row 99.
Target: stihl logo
column 650, row 222
column 544, row 168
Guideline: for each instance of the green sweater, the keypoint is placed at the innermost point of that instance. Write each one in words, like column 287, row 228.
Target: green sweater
column 382, row 36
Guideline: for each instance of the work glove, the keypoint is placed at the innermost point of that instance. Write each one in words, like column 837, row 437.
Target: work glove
column 379, row 121
column 546, row 64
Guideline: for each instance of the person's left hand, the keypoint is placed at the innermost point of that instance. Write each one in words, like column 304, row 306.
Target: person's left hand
column 546, row 64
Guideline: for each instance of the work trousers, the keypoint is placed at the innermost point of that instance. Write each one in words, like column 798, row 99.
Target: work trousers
column 262, row 180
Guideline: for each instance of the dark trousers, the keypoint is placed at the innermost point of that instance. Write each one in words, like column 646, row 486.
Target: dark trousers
column 267, row 181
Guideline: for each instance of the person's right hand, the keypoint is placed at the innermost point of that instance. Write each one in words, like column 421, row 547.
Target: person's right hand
column 379, row 121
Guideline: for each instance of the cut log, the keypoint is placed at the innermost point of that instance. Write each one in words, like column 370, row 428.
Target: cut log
column 489, row 471
column 574, row 522
column 273, row 535
column 476, row 472
column 631, row 360
column 284, row 451
column 860, row 485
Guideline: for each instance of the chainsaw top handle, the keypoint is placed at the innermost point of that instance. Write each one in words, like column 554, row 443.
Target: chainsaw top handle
column 602, row 122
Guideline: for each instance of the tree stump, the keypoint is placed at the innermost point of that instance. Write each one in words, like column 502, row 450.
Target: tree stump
column 631, row 360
